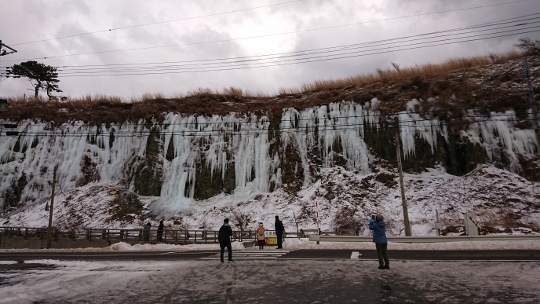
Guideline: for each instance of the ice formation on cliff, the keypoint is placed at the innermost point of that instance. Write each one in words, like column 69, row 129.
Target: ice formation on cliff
column 242, row 141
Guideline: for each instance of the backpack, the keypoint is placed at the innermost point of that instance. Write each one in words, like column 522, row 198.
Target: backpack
column 261, row 231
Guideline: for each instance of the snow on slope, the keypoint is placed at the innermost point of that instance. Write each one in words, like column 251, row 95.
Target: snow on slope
column 499, row 198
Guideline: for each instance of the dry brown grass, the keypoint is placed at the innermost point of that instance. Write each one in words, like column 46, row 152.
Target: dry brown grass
column 232, row 91
column 149, row 97
column 92, row 109
column 201, row 92
column 239, row 93
column 396, row 73
column 424, row 70
column 491, row 219
column 23, row 98
column 395, row 86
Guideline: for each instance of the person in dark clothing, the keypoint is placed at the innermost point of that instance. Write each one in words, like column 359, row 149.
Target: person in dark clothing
column 378, row 226
column 160, row 231
column 279, row 232
column 224, row 238
column 146, row 232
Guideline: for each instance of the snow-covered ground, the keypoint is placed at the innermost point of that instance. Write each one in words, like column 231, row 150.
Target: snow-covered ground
column 278, row 281
column 501, row 200
column 274, row 281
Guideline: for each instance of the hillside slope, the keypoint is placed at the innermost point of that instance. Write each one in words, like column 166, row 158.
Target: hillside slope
column 465, row 137
column 503, row 202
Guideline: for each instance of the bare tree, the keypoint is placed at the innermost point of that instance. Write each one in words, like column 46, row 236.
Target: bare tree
column 529, row 46
column 241, row 219
column 347, row 218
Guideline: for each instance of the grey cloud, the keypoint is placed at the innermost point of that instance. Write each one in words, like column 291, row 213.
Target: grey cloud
column 36, row 20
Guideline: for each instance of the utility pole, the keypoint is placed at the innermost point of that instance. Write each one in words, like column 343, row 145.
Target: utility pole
column 3, row 105
column 403, row 198
column 49, row 237
column 533, row 106
column 6, row 52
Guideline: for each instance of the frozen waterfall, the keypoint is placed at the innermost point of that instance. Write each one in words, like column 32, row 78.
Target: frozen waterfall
column 244, row 143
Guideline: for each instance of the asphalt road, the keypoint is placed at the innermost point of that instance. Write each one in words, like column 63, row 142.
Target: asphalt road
column 273, row 276
column 303, row 254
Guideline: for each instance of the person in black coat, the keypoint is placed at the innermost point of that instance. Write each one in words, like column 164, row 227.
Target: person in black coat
column 146, row 231
column 279, row 232
column 160, row 231
column 224, row 238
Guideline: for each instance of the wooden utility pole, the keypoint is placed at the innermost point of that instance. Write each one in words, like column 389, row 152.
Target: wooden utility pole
column 49, row 235
column 533, row 106
column 403, row 198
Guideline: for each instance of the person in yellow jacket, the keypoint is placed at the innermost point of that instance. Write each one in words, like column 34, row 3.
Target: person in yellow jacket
column 260, row 236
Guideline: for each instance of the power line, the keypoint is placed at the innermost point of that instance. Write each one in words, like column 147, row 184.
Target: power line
column 195, row 133
column 167, row 21
column 327, row 117
column 260, row 36
column 518, row 25
column 521, row 21
column 241, row 66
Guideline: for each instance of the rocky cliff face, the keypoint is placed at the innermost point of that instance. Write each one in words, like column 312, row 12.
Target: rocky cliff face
column 188, row 158
column 454, row 123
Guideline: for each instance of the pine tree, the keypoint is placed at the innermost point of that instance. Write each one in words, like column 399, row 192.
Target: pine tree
column 41, row 76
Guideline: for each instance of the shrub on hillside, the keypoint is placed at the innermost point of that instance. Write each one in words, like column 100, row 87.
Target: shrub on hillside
column 347, row 218
column 529, row 46
column 241, row 219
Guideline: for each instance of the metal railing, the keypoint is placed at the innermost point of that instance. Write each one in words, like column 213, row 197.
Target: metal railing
column 211, row 236
column 40, row 233
column 129, row 235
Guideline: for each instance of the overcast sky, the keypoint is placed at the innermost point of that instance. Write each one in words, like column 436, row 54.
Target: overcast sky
column 156, row 37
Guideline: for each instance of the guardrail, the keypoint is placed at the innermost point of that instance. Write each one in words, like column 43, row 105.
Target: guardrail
column 424, row 239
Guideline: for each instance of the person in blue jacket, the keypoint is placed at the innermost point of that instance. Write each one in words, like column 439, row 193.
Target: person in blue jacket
column 376, row 224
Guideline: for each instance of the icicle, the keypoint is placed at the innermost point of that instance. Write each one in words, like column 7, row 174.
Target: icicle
column 222, row 140
column 413, row 125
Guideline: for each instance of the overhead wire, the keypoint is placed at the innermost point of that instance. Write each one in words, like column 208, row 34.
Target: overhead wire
column 348, row 126
column 243, row 67
column 167, row 21
column 313, row 57
column 302, row 54
column 523, row 18
column 262, row 36
column 316, row 118
column 202, row 133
